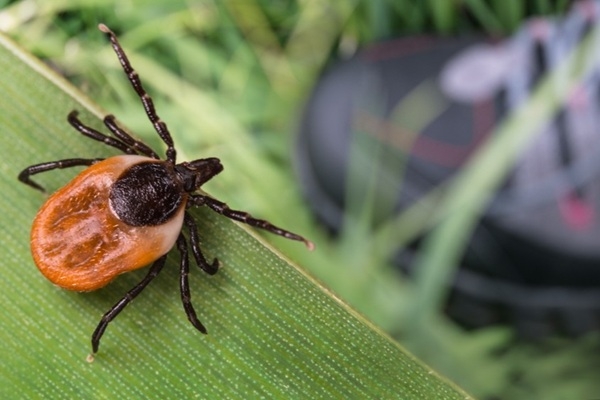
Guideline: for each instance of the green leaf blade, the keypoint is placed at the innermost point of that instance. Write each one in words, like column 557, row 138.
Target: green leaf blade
column 273, row 331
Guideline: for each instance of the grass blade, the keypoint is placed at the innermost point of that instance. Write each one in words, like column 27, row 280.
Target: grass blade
column 274, row 332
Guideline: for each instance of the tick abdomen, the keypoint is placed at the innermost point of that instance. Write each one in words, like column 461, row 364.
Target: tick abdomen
column 76, row 231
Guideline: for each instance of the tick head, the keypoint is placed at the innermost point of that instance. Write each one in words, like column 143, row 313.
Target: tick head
column 196, row 173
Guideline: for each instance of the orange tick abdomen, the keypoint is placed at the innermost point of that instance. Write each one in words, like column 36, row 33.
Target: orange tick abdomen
column 78, row 242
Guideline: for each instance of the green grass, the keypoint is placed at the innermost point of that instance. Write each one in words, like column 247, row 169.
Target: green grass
column 230, row 79
column 274, row 331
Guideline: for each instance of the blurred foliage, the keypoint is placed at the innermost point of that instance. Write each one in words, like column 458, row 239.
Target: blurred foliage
column 230, row 78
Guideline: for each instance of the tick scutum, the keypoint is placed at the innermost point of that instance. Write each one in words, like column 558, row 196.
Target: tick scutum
column 147, row 194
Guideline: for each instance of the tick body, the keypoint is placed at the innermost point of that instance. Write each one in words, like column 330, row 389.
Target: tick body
column 126, row 212
column 99, row 225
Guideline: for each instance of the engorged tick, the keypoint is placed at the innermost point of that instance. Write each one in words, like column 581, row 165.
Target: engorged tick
column 126, row 212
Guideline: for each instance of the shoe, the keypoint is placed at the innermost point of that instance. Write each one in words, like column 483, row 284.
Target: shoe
column 416, row 109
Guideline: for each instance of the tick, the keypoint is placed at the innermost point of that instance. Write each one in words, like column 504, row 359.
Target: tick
column 126, row 212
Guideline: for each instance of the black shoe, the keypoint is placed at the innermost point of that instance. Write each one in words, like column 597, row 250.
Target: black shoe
column 534, row 260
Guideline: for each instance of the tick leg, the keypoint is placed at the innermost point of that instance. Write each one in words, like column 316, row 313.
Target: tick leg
column 184, row 285
column 132, row 75
column 210, row 269
column 242, row 216
column 48, row 166
column 121, row 304
column 94, row 134
column 111, row 124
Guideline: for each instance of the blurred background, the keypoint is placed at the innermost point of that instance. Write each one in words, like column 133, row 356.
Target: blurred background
column 441, row 154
